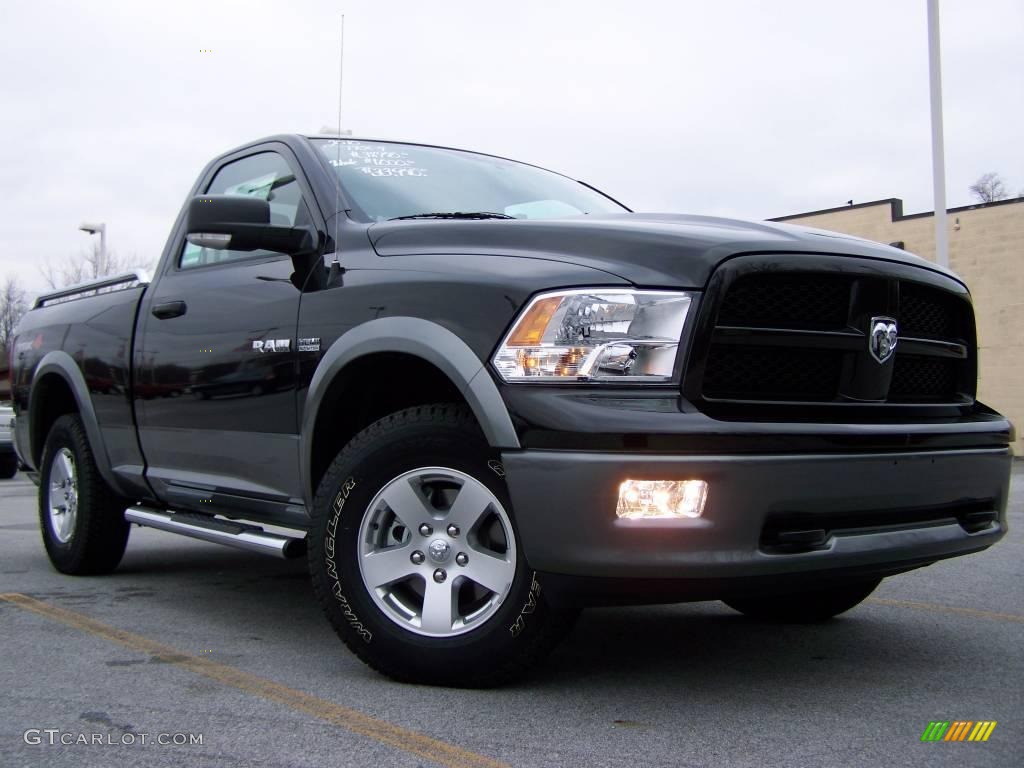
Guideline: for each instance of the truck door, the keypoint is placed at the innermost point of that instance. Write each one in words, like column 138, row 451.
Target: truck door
column 216, row 359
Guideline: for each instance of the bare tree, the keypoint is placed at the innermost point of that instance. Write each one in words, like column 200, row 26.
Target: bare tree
column 90, row 265
column 13, row 304
column 989, row 187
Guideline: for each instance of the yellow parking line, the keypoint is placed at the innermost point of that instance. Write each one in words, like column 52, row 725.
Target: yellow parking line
column 352, row 720
column 948, row 609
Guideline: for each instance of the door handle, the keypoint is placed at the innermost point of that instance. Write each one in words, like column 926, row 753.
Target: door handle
column 169, row 309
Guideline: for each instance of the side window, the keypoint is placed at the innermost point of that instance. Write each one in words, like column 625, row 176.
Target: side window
column 267, row 176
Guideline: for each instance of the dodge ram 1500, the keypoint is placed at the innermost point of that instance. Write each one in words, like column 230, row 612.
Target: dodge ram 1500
column 480, row 394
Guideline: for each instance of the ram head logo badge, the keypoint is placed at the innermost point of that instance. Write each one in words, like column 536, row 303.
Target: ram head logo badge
column 882, row 337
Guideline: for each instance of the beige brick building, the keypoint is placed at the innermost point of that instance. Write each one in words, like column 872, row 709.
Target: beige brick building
column 986, row 248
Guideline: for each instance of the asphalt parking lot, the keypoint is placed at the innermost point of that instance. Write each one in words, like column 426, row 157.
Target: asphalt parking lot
column 189, row 639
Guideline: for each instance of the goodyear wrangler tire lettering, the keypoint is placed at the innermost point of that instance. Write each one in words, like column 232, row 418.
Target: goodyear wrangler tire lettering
column 398, row 537
column 529, row 607
column 350, row 615
column 332, row 567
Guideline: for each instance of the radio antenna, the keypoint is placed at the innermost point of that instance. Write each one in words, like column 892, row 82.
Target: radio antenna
column 337, row 145
column 341, row 70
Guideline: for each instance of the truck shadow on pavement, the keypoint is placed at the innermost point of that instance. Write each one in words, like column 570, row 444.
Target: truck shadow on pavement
column 697, row 646
column 706, row 647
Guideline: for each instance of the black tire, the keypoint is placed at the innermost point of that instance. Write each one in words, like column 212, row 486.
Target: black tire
column 521, row 630
column 806, row 606
column 8, row 465
column 99, row 532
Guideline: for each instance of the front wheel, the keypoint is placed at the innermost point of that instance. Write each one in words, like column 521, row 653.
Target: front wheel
column 81, row 518
column 415, row 558
column 805, row 606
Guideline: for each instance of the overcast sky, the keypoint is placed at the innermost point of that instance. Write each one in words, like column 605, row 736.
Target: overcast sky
column 108, row 110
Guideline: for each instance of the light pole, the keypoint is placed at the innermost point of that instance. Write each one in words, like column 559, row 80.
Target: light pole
column 938, row 153
column 101, row 228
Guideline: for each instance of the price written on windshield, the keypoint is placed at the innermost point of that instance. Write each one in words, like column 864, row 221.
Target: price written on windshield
column 373, row 171
column 376, row 162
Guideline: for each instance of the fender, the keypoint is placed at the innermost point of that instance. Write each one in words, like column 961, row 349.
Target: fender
column 63, row 365
column 422, row 338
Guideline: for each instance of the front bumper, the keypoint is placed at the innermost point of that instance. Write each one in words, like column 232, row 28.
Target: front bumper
column 883, row 512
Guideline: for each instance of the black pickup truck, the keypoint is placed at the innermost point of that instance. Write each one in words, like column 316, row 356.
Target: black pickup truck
column 480, row 394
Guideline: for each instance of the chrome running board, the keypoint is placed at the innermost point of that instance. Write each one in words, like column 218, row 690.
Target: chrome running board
column 218, row 531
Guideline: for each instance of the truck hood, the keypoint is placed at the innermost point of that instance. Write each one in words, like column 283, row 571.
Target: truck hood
column 655, row 250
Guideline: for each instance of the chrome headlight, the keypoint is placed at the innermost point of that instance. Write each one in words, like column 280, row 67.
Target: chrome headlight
column 596, row 334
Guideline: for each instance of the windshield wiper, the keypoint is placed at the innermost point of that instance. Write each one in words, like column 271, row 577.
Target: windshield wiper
column 455, row 215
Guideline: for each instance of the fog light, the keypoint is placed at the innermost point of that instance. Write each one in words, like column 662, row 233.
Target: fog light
column 667, row 499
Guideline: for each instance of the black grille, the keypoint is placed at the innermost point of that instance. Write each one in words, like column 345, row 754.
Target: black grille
column 761, row 373
column 802, row 337
column 918, row 377
column 927, row 313
column 787, row 300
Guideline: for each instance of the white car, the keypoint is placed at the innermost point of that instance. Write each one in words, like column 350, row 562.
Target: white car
column 8, row 458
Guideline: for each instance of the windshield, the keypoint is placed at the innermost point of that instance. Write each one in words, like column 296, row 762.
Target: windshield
column 386, row 181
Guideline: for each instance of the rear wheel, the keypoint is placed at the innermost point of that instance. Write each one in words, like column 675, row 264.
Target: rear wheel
column 81, row 518
column 415, row 559
column 805, row 606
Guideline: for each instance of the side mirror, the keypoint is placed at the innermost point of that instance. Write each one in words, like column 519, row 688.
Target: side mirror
column 243, row 224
